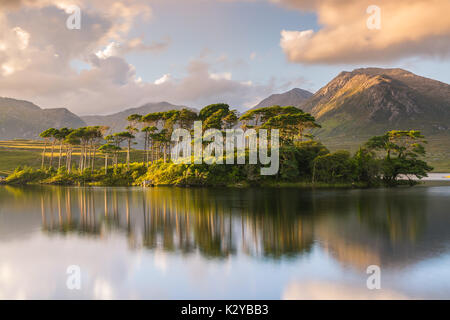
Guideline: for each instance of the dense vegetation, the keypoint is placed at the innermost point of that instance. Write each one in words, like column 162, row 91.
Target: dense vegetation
column 70, row 156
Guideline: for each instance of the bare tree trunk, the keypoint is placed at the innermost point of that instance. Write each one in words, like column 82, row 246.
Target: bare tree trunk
column 164, row 151
column 67, row 157
column 314, row 173
column 145, row 149
column 43, row 155
column 106, row 163
column 152, row 153
column 51, row 156
column 88, row 156
column 149, row 148
column 128, row 154
column 69, row 161
column 93, row 160
column 60, row 155
column 68, row 148
column 85, row 163
column 81, row 158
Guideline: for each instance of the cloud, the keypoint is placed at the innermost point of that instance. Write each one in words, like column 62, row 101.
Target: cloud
column 37, row 55
column 165, row 78
column 117, row 49
column 408, row 28
column 221, row 76
column 111, row 85
column 321, row 290
column 201, row 86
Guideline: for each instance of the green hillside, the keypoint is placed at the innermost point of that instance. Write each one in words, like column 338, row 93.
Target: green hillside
column 365, row 102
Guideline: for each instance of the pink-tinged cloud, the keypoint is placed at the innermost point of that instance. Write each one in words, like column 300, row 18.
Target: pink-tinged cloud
column 37, row 53
column 408, row 28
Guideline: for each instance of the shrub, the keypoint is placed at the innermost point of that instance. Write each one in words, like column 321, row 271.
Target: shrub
column 27, row 175
column 335, row 167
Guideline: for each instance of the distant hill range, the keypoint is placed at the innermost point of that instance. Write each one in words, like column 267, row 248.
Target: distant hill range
column 292, row 97
column 372, row 100
column 23, row 119
column 118, row 121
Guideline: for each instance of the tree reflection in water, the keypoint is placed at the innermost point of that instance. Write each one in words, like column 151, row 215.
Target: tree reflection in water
column 217, row 223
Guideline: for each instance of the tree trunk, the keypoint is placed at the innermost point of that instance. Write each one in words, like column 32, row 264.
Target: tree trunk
column 60, row 155
column 314, row 173
column 128, row 154
column 87, row 160
column 81, row 158
column 67, row 158
column 90, row 156
column 106, row 163
column 165, row 152
column 93, row 160
column 51, row 155
column 145, row 149
column 69, row 161
column 152, row 153
column 43, row 155
column 85, row 163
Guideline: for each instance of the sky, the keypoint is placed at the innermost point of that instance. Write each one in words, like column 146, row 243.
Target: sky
column 198, row 52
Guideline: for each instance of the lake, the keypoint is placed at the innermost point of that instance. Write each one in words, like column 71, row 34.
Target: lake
column 218, row 243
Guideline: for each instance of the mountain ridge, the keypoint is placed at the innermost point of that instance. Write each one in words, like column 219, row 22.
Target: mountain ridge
column 118, row 121
column 293, row 97
column 372, row 100
column 24, row 119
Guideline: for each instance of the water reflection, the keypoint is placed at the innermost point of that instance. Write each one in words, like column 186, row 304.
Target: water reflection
column 217, row 223
column 181, row 220
column 354, row 228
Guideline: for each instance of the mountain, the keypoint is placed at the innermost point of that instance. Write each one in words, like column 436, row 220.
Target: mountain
column 292, row 97
column 372, row 100
column 118, row 121
column 23, row 119
column 365, row 102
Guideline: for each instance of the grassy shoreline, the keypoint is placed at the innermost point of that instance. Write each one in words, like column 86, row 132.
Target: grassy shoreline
column 125, row 179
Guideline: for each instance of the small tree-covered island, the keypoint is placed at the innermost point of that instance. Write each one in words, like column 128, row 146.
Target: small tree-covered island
column 140, row 155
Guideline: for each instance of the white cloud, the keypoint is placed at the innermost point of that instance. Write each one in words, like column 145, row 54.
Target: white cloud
column 321, row 290
column 109, row 51
column 7, row 69
column 221, row 76
column 23, row 37
column 165, row 78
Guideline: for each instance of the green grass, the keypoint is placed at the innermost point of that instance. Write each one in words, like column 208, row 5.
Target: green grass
column 14, row 153
column 19, row 152
column 10, row 159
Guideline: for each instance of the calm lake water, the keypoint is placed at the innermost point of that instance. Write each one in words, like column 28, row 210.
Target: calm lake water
column 177, row 243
